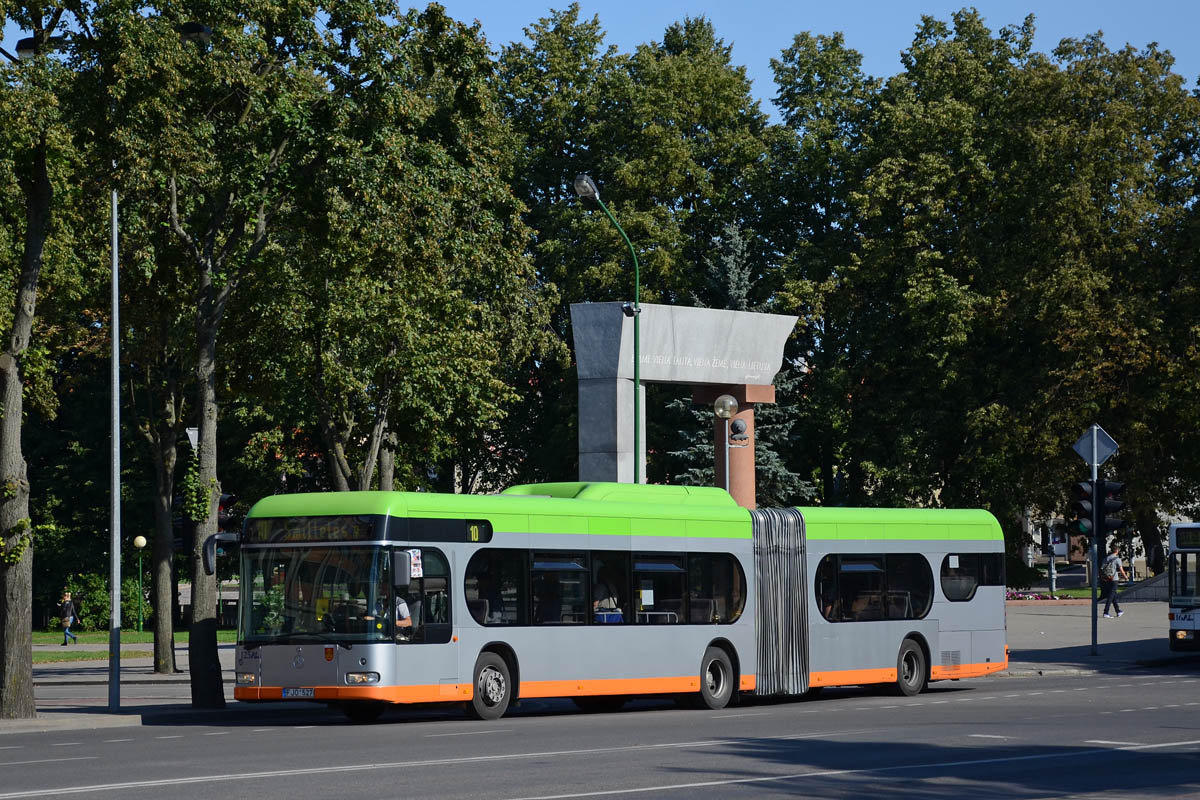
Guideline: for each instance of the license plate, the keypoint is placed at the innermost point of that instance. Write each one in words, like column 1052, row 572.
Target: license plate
column 297, row 692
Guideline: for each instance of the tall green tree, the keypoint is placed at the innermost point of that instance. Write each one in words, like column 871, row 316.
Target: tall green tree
column 39, row 215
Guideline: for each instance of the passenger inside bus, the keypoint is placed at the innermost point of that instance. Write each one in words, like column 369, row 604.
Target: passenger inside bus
column 606, row 606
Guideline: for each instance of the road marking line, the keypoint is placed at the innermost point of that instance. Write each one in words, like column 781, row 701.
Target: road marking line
column 731, row 716
column 467, row 733
column 169, row 737
column 218, row 733
column 12, row 747
column 986, row 736
column 1105, row 741
column 50, row 761
column 1150, row 708
column 118, row 740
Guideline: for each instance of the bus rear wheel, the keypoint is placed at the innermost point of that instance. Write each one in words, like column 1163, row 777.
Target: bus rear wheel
column 716, row 678
column 492, row 687
column 912, row 675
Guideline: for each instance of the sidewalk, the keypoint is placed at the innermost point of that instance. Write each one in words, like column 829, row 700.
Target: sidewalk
column 1045, row 638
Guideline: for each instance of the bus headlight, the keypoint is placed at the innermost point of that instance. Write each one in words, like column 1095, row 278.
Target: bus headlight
column 247, row 678
column 1184, row 634
column 356, row 678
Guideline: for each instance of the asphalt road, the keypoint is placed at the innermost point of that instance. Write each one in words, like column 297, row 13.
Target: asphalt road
column 1130, row 735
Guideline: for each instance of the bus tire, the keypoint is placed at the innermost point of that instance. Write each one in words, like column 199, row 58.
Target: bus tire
column 716, row 678
column 492, row 687
column 912, row 674
column 363, row 712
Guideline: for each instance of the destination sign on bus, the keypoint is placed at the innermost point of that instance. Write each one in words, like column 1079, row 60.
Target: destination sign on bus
column 1187, row 538
column 311, row 529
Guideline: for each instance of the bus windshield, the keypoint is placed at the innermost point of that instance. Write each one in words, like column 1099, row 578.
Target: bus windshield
column 1185, row 579
column 339, row 594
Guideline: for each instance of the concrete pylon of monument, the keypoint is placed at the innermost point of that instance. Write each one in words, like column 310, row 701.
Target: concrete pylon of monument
column 712, row 350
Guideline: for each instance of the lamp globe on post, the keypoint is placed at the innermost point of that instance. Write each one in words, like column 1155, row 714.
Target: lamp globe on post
column 139, row 542
column 725, row 407
column 587, row 190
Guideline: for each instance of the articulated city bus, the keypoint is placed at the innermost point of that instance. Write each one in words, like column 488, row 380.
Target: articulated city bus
column 604, row 591
column 1183, row 575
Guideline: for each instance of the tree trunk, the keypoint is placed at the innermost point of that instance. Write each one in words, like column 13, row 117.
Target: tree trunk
column 162, row 553
column 16, row 555
column 387, row 463
column 204, row 664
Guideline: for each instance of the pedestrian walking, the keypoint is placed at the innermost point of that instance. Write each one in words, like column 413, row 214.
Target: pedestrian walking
column 1109, row 571
column 67, row 612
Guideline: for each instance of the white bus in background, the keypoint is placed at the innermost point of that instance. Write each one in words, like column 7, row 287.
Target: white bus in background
column 1183, row 570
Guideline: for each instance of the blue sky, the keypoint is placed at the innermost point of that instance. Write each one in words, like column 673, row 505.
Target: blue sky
column 879, row 29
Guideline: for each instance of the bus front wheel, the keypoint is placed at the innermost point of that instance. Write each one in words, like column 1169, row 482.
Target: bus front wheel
column 492, row 687
column 716, row 678
column 911, row 673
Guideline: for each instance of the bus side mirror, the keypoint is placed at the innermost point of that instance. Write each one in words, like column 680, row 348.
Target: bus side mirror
column 401, row 569
column 210, row 550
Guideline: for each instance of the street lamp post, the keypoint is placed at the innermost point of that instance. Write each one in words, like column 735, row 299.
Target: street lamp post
column 587, row 190
column 725, row 407
column 139, row 542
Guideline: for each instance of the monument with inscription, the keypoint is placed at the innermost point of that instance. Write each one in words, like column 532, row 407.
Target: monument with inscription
column 712, row 350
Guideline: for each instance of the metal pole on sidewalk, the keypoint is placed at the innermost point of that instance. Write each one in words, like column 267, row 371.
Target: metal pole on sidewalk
column 114, row 547
column 1095, row 532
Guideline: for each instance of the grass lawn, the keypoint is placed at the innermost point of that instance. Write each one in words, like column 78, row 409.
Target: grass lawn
column 127, row 637
column 49, row 657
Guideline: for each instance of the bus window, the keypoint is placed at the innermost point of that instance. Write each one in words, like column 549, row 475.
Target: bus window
column 428, row 600
column 658, row 588
column 610, row 587
column 960, row 576
column 716, row 588
column 825, row 587
column 560, row 589
column 860, row 583
column 1185, row 578
column 495, row 587
column 909, row 586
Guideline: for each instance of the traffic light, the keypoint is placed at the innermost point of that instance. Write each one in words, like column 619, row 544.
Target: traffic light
column 1082, row 506
column 1108, row 501
column 226, row 519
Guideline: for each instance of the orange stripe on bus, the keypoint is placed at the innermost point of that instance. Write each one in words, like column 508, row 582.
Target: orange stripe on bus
column 859, row 677
column 852, row 677
column 597, row 686
column 939, row 673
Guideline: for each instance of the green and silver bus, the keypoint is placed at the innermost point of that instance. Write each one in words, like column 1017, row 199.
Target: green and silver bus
column 603, row 591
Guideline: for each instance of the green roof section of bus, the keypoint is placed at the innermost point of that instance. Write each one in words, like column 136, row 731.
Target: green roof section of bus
column 605, row 509
column 900, row 524
column 623, row 509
